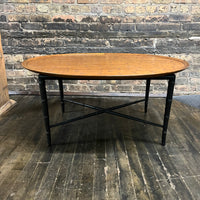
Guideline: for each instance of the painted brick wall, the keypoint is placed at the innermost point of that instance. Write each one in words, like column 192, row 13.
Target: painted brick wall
column 165, row 27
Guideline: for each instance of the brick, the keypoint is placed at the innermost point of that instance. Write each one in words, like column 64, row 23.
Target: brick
column 178, row 45
column 2, row 18
column 20, row 73
column 180, row 89
column 10, row 26
column 193, row 73
column 88, row 19
column 56, row 8
column 13, row 42
column 87, row 1
column 73, row 26
column 55, row 26
column 178, row 18
column 5, row 42
column 191, row 26
column 195, row 10
column 63, row 1
column 140, row 9
column 163, row 9
column 18, row 18
column 52, row 43
column 95, row 8
column 32, row 26
column 40, row 18
column 167, row 26
column 23, row 8
column 111, row 9
column 129, row 9
column 196, row 18
column 182, row 80
column 100, row 88
column 113, row 82
column 40, row 1
column 17, row 1
column 73, row 88
column 162, row 2
column 10, row 73
column 58, row 19
column 7, row 8
column 83, row 18
column 14, row 61
column 146, row 27
column 111, row 1
column 121, row 43
column 85, row 88
column 129, row 19
column 124, row 27
column 42, row 8
column 62, row 26
column 122, row 88
column 139, row 88
column 174, row 8
column 114, row 9
column 71, row 81
column 137, row 1
column 84, row 27
column 130, row 42
column 185, row 9
column 16, row 88
column 110, row 20
column 64, row 18
column 91, row 82
column 185, row 1
column 151, row 9
column 99, row 27
column 34, row 87
column 80, row 9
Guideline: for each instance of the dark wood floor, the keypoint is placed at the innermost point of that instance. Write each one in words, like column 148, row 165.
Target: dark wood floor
column 103, row 157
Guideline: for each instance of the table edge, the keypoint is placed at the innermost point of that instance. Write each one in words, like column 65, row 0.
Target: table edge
column 186, row 65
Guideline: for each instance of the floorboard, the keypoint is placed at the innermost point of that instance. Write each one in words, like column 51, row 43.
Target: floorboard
column 100, row 158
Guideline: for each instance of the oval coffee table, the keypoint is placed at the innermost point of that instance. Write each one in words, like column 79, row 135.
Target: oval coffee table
column 105, row 66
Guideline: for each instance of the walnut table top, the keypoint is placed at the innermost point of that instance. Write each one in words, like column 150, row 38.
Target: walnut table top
column 104, row 65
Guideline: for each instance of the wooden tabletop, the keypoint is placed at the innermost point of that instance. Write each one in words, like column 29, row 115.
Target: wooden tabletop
column 104, row 65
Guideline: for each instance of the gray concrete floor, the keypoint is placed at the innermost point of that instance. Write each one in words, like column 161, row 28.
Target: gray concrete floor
column 191, row 100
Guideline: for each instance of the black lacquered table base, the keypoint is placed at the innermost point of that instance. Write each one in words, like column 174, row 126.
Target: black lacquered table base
column 110, row 110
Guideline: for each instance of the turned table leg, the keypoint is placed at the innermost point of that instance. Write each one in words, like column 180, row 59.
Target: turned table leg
column 169, row 98
column 45, row 108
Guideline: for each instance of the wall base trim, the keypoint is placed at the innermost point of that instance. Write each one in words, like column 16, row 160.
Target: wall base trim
column 7, row 106
column 93, row 94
